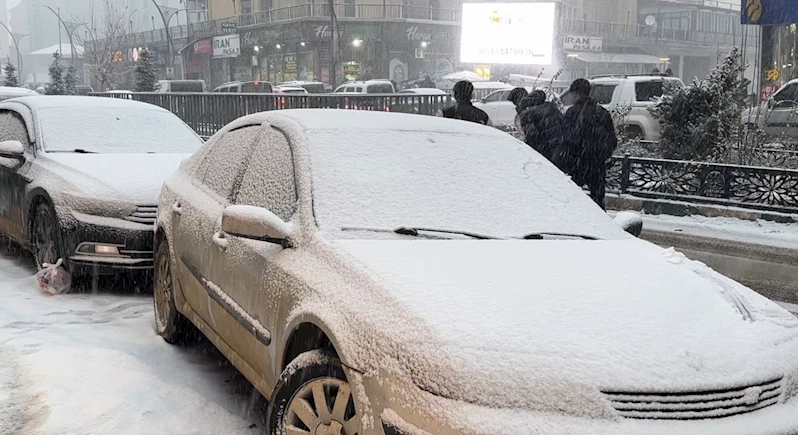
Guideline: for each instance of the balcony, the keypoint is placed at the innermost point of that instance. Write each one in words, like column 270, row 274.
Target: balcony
column 648, row 34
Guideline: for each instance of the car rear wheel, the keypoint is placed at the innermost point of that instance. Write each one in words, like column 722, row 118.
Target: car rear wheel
column 313, row 397
column 170, row 324
column 45, row 237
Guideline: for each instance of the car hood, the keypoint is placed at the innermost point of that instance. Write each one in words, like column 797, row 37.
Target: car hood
column 135, row 178
column 622, row 314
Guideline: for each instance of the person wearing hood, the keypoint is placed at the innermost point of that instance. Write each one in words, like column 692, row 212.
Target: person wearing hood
column 590, row 140
column 463, row 109
column 542, row 125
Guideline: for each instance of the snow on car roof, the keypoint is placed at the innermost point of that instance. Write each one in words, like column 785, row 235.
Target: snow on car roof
column 8, row 90
column 60, row 101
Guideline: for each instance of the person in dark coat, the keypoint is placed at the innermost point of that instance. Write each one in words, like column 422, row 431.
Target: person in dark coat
column 542, row 124
column 590, row 140
column 516, row 95
column 463, row 109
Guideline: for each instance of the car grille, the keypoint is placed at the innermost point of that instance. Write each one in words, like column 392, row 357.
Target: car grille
column 695, row 405
column 144, row 214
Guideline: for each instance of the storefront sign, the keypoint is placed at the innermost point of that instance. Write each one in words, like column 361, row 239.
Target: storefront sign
column 229, row 27
column 767, row 91
column 583, row 43
column 204, row 46
column 289, row 65
column 772, row 75
column 322, row 32
column 413, row 34
column 769, row 12
column 226, row 46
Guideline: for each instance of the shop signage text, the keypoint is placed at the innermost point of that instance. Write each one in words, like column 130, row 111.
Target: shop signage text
column 583, row 43
column 226, row 46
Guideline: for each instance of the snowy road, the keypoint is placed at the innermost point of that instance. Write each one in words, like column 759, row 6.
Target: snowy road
column 92, row 364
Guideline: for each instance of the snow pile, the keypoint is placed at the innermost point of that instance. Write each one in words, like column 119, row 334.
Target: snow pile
column 760, row 231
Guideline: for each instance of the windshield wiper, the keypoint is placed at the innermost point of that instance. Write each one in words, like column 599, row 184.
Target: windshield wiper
column 413, row 231
column 540, row 236
column 82, row 151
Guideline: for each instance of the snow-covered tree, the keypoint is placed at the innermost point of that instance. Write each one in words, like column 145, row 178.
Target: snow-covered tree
column 57, row 85
column 71, row 80
column 699, row 120
column 146, row 78
column 11, row 75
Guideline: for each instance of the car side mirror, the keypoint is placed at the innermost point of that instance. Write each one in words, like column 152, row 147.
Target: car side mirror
column 632, row 223
column 12, row 153
column 256, row 223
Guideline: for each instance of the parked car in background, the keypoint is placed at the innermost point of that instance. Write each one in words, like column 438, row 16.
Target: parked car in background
column 290, row 90
column 420, row 101
column 501, row 110
column 80, row 178
column 253, row 87
column 182, row 86
column 7, row 92
column 376, row 273
column 311, row 87
column 637, row 92
column 366, row 87
column 778, row 116
column 83, row 90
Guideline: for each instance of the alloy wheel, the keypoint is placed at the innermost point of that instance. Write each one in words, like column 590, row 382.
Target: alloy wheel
column 164, row 302
column 323, row 406
column 45, row 238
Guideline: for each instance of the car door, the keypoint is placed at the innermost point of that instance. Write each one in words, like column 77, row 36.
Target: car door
column 244, row 269
column 197, row 208
column 488, row 104
column 14, row 176
column 781, row 117
column 505, row 110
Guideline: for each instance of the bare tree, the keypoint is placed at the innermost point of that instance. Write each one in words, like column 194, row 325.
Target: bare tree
column 107, row 29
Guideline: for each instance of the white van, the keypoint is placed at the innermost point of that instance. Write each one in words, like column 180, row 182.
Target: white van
column 367, row 87
column 184, row 86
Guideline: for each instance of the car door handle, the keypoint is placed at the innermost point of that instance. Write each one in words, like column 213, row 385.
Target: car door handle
column 220, row 240
column 177, row 208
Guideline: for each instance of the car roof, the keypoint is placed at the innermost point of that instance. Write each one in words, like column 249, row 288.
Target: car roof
column 39, row 102
column 9, row 90
column 635, row 78
column 427, row 91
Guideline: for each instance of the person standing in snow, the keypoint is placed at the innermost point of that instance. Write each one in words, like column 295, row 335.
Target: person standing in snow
column 542, row 124
column 463, row 109
column 589, row 141
column 516, row 95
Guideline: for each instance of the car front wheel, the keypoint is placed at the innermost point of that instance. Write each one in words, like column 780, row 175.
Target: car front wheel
column 170, row 324
column 45, row 237
column 312, row 397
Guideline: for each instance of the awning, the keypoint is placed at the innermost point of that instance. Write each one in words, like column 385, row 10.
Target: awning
column 616, row 58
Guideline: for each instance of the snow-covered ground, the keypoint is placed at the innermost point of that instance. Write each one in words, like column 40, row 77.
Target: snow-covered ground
column 92, row 364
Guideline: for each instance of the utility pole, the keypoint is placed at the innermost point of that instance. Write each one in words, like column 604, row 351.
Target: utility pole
column 334, row 42
column 69, row 32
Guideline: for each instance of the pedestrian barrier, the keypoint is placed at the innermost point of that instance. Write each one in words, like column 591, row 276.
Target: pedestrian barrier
column 767, row 189
column 206, row 113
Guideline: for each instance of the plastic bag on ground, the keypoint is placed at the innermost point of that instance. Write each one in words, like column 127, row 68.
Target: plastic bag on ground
column 53, row 279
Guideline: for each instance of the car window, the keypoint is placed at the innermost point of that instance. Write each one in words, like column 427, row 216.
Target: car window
column 602, row 93
column 257, row 88
column 269, row 180
column 647, row 91
column 12, row 127
column 790, row 93
column 224, row 163
column 496, row 96
column 187, row 86
column 382, row 88
column 349, row 89
column 313, row 88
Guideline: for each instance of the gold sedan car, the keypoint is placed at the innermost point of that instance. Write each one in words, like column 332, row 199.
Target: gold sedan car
column 383, row 274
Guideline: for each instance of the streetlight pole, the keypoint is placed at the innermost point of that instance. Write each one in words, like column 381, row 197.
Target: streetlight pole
column 16, row 45
column 69, row 34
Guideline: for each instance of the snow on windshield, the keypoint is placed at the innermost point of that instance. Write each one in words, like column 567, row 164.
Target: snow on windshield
column 117, row 130
column 493, row 185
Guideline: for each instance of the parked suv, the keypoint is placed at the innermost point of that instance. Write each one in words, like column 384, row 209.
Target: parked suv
column 367, row 87
column 634, row 91
column 181, row 86
column 311, row 87
column 778, row 116
column 255, row 87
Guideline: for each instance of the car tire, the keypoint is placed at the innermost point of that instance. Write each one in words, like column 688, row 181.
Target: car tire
column 169, row 323
column 45, row 236
column 293, row 403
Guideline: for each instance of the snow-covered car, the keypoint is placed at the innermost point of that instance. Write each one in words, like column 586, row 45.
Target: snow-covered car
column 501, row 110
column 778, row 116
column 290, row 90
column 636, row 92
column 7, row 92
column 366, row 87
column 80, row 177
column 311, row 87
column 379, row 273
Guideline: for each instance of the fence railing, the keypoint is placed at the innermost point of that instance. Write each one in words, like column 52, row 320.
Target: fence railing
column 208, row 112
column 758, row 188
column 309, row 10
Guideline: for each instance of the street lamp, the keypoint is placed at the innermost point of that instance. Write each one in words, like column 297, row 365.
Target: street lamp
column 69, row 34
column 16, row 45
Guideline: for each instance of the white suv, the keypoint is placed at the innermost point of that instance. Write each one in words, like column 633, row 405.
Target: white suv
column 634, row 91
column 367, row 87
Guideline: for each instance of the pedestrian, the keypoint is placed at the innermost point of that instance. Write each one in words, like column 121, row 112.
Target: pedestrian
column 669, row 72
column 655, row 71
column 463, row 109
column 516, row 95
column 589, row 141
column 542, row 125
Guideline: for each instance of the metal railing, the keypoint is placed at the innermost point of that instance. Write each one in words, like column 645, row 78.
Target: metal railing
column 207, row 113
column 648, row 33
column 290, row 13
column 750, row 187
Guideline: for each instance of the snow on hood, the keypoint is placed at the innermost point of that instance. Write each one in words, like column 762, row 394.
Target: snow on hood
column 136, row 178
column 617, row 315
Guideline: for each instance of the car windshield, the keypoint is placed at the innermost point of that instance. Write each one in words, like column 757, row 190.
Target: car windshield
column 114, row 130
column 490, row 185
column 257, row 88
